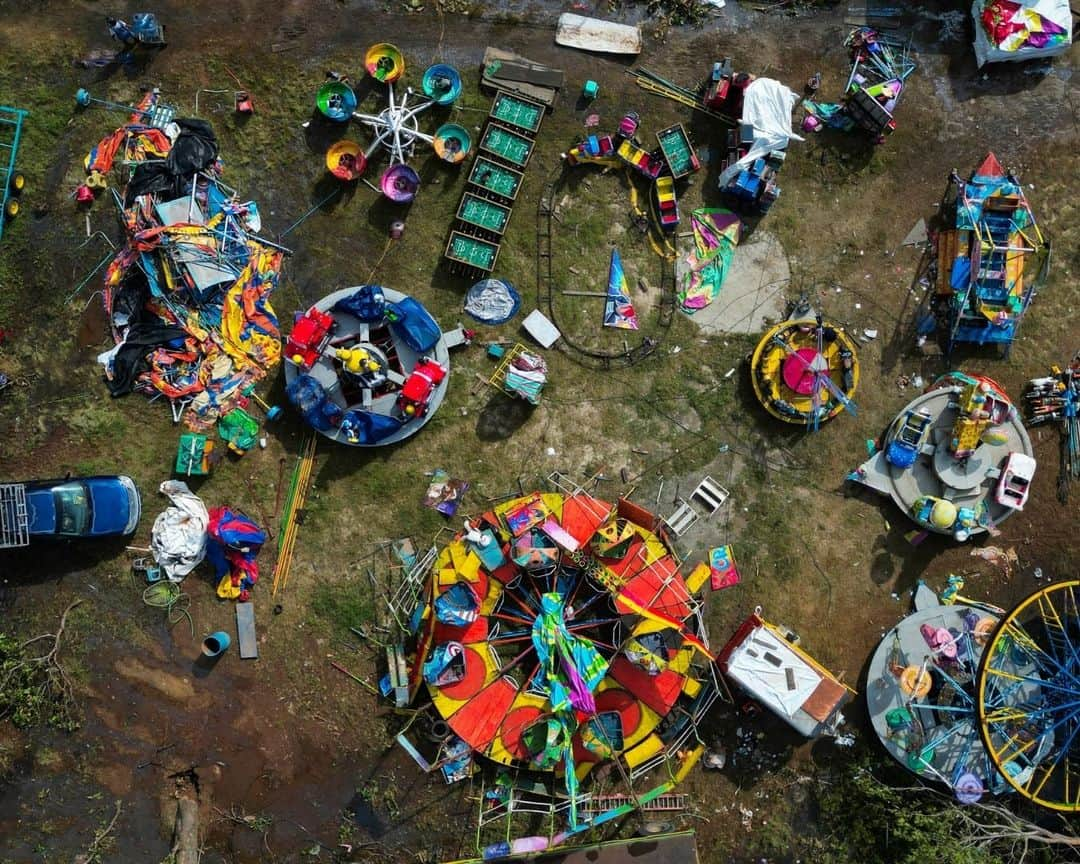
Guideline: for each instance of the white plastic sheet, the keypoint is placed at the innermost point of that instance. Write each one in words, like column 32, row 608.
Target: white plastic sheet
column 178, row 540
column 767, row 107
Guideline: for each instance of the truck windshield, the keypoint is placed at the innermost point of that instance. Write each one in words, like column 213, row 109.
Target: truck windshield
column 72, row 509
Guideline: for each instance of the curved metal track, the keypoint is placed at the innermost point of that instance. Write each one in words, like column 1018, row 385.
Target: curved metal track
column 545, row 292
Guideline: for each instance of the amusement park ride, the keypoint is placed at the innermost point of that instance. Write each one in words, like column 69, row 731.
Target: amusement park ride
column 396, row 128
column 805, row 370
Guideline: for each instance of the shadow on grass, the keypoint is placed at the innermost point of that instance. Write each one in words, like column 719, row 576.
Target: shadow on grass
column 502, row 416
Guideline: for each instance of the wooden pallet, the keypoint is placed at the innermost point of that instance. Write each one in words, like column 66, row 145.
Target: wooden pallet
column 947, row 244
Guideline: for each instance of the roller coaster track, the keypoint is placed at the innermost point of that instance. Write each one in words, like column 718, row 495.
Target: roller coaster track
column 545, row 290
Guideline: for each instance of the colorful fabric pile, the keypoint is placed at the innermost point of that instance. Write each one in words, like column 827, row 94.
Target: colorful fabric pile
column 234, row 542
column 716, row 234
column 188, row 295
column 1020, row 29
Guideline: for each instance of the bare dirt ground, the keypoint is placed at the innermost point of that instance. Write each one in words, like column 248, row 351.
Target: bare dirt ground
column 294, row 759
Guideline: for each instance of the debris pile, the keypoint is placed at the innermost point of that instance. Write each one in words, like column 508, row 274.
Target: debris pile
column 879, row 67
column 188, row 294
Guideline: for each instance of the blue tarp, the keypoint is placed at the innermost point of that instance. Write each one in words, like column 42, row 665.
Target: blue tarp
column 413, row 323
column 311, row 401
column 492, row 301
column 364, row 427
column 368, row 303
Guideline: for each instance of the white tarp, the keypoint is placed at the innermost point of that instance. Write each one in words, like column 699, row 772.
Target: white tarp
column 595, row 34
column 767, row 107
column 766, row 667
column 178, row 540
column 1030, row 22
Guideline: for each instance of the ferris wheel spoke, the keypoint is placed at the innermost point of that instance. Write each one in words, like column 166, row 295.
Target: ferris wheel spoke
column 1038, row 656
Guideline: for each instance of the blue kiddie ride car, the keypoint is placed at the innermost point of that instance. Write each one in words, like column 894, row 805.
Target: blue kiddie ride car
column 904, row 447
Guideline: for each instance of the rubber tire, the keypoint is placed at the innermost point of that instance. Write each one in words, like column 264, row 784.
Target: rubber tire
column 18, row 183
column 11, row 209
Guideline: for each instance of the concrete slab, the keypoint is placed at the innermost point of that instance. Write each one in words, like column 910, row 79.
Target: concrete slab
column 753, row 289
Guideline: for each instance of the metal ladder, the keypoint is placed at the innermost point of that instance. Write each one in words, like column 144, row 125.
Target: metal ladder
column 14, row 516
column 667, row 803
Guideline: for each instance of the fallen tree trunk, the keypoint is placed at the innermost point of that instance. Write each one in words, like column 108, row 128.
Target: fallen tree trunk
column 186, row 836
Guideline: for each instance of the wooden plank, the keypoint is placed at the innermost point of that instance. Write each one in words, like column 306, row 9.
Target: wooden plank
column 245, row 631
column 542, row 76
column 946, row 254
column 543, row 94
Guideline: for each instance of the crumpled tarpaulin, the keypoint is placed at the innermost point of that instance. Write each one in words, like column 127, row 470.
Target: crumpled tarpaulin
column 198, row 340
column 716, row 234
column 446, row 665
column 311, row 400
column 767, row 108
column 457, row 605
column 1020, row 29
column 492, row 301
column 235, row 541
column 178, row 539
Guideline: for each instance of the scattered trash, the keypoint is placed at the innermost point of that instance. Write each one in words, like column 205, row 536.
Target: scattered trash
column 715, row 759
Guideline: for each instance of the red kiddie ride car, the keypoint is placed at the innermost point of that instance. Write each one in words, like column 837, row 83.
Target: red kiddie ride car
column 416, row 392
column 309, row 338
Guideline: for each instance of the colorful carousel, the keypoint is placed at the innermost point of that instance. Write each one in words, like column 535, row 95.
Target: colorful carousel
column 957, row 459
column 366, row 366
column 396, row 128
column 921, row 698
column 558, row 633
column 1028, row 697
column 805, row 371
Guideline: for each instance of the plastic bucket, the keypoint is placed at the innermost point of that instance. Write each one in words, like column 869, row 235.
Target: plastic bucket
column 216, row 644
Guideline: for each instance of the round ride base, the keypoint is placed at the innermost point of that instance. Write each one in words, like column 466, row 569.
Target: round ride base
column 389, row 350
column 936, row 473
